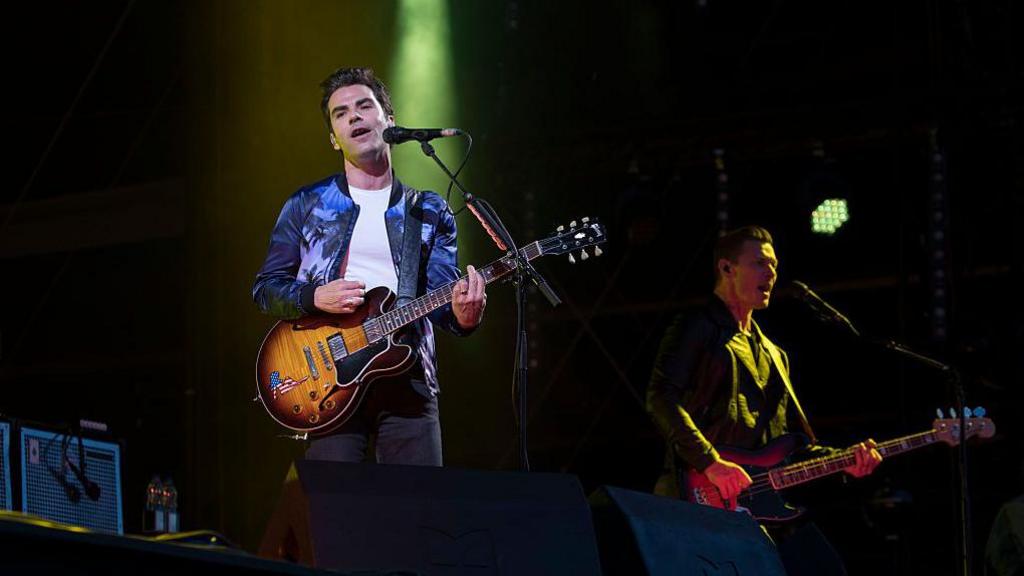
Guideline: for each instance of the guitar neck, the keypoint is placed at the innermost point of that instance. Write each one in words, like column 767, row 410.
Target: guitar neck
column 801, row 472
column 407, row 314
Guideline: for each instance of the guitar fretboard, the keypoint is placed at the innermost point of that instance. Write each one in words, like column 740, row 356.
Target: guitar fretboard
column 816, row 468
column 404, row 315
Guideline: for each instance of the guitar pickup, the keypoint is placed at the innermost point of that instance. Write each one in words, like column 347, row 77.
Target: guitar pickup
column 312, row 364
column 337, row 346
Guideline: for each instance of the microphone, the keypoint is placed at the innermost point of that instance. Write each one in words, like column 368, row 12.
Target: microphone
column 399, row 135
column 803, row 292
column 92, row 489
column 70, row 490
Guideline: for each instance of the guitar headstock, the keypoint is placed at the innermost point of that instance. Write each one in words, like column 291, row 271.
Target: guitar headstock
column 576, row 237
column 948, row 429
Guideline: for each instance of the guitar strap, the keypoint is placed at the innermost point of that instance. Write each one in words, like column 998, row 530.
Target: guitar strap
column 412, row 232
column 773, row 351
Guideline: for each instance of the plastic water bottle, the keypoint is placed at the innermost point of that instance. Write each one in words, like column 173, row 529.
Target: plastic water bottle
column 154, row 520
column 171, row 505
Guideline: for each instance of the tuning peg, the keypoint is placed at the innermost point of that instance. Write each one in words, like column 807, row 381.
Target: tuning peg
column 560, row 229
column 584, row 255
column 938, row 412
column 979, row 412
column 952, row 413
column 585, row 219
column 597, row 251
column 572, row 224
column 571, row 259
column 967, row 412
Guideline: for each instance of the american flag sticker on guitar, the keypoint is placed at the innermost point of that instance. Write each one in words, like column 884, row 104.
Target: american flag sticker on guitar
column 278, row 386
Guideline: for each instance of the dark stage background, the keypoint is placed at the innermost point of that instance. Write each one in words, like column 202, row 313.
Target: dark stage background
column 150, row 145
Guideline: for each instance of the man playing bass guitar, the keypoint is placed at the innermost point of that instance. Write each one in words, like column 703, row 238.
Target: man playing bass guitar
column 718, row 380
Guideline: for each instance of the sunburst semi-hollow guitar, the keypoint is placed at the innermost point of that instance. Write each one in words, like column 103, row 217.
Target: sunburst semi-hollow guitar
column 313, row 372
column 761, row 499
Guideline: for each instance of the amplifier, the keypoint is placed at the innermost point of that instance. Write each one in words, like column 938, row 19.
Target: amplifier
column 70, row 479
column 6, row 500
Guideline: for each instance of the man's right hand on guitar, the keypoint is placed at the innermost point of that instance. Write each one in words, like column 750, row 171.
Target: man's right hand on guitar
column 729, row 478
column 339, row 296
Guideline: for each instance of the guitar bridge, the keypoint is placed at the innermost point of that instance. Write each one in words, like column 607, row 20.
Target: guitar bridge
column 323, row 354
column 699, row 497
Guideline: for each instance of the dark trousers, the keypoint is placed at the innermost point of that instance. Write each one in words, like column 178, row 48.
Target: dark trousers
column 400, row 416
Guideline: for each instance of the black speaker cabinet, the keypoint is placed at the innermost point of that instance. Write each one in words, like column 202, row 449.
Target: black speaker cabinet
column 435, row 521
column 640, row 534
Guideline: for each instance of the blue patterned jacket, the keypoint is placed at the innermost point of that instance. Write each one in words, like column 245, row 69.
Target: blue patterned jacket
column 312, row 235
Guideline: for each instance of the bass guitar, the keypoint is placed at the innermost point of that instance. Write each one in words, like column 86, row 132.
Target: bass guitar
column 312, row 373
column 761, row 499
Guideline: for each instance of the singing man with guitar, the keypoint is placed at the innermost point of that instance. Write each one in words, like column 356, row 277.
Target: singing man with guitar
column 340, row 237
column 719, row 381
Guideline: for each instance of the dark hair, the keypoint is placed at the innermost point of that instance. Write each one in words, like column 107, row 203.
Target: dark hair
column 347, row 77
column 730, row 244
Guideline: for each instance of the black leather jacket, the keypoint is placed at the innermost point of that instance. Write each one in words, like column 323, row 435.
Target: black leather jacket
column 695, row 397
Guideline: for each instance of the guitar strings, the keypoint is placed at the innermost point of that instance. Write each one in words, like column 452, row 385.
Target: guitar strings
column 395, row 319
column 761, row 482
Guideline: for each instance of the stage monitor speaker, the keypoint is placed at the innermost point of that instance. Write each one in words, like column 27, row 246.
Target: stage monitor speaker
column 642, row 534
column 61, row 483
column 433, row 521
column 6, row 498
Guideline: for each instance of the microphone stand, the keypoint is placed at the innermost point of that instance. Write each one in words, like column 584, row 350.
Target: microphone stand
column 955, row 382
column 523, row 271
column 960, row 402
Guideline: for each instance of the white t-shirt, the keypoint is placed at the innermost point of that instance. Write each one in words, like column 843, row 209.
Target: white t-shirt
column 369, row 253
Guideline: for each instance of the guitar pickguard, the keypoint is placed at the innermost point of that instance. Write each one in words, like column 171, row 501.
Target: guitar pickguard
column 351, row 370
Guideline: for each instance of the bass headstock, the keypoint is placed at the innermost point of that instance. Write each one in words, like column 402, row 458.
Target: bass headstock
column 975, row 424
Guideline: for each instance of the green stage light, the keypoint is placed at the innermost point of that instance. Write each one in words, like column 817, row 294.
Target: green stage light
column 829, row 216
column 424, row 87
column 424, row 96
